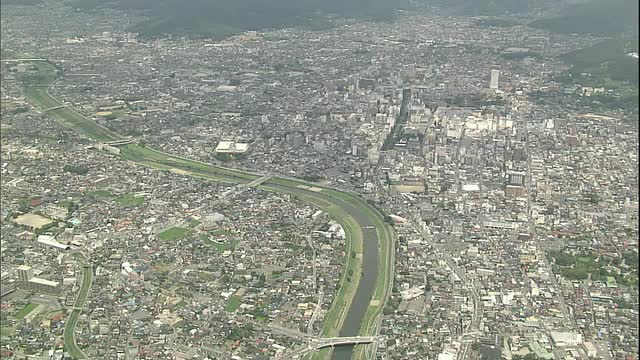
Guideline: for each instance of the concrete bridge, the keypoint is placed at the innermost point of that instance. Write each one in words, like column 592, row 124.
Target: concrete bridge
column 120, row 142
column 257, row 182
column 53, row 108
column 338, row 341
column 319, row 343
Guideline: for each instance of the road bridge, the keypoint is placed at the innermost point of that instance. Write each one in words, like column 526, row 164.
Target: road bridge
column 257, row 182
column 239, row 189
column 120, row 142
column 315, row 344
column 338, row 341
column 53, row 108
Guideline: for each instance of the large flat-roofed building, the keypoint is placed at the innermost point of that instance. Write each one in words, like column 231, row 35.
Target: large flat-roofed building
column 564, row 338
column 226, row 149
column 43, row 285
column 27, row 280
column 46, row 241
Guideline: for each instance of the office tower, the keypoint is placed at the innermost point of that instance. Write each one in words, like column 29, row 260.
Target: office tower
column 494, row 79
column 25, row 273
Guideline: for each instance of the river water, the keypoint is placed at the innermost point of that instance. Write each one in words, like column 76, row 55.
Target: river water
column 367, row 284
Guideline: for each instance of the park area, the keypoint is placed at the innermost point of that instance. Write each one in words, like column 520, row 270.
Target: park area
column 174, row 233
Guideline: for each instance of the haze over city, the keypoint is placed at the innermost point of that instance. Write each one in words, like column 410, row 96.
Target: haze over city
column 355, row 179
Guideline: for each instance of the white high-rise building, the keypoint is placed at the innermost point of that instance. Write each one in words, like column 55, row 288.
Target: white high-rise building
column 494, row 79
column 25, row 273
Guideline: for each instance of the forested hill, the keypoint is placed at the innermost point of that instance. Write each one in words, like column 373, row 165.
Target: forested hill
column 221, row 18
column 599, row 17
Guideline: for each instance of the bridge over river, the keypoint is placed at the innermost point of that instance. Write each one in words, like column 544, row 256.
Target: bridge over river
column 315, row 344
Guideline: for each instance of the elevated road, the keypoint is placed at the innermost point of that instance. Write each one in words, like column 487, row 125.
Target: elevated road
column 338, row 341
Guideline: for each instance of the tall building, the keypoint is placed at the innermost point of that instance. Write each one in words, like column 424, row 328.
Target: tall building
column 494, row 79
column 516, row 179
column 28, row 281
column 25, row 273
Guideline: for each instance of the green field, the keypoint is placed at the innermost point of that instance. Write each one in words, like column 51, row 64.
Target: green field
column 233, row 303
column 128, row 200
column 219, row 232
column 100, row 194
column 174, row 233
column 220, row 247
column 324, row 199
column 7, row 331
column 25, row 310
column 36, row 90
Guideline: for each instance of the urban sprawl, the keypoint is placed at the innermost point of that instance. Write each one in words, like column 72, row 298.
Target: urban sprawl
column 515, row 219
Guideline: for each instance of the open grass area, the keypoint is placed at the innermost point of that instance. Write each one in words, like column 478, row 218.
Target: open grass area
column 151, row 157
column 39, row 96
column 220, row 246
column 174, row 233
column 233, row 303
column 385, row 263
column 219, row 232
column 7, row 331
column 100, row 194
column 193, row 223
column 25, row 310
column 128, row 200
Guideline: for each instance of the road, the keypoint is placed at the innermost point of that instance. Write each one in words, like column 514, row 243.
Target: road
column 294, row 334
column 316, row 312
column 476, row 317
column 534, row 236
